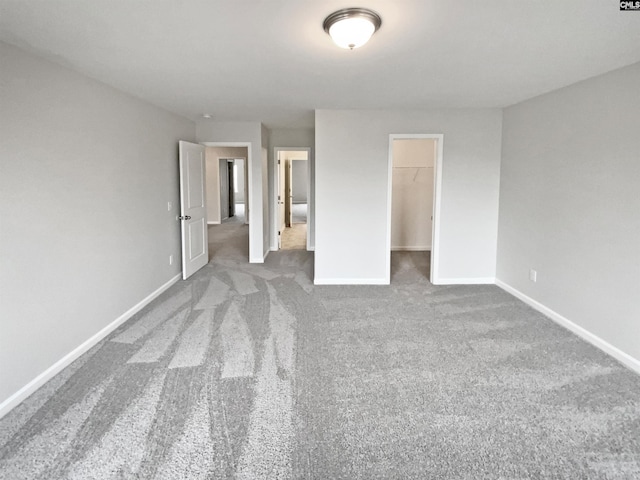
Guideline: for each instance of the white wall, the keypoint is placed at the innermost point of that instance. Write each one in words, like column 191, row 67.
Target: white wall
column 85, row 177
column 351, row 181
column 266, row 219
column 212, row 156
column 251, row 133
column 299, row 179
column 297, row 138
column 240, row 177
column 412, row 193
column 570, row 204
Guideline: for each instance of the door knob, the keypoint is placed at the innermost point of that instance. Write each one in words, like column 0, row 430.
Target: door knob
column 186, row 217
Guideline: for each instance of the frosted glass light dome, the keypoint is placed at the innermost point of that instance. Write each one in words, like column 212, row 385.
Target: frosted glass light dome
column 352, row 27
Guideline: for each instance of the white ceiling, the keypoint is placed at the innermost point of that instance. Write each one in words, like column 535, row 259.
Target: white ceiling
column 270, row 60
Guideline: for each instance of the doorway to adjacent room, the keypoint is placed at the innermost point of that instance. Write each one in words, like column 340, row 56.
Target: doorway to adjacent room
column 415, row 163
column 292, row 197
column 227, row 198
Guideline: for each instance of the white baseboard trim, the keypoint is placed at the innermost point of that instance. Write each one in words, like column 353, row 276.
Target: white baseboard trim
column 350, row 281
column 423, row 248
column 259, row 259
column 213, row 223
column 276, row 249
column 22, row 394
column 619, row 355
column 465, row 281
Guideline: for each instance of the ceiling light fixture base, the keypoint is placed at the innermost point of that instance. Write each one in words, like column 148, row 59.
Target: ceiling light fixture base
column 352, row 27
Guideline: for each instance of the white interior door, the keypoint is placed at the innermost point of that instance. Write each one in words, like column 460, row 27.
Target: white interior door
column 281, row 195
column 288, row 208
column 193, row 212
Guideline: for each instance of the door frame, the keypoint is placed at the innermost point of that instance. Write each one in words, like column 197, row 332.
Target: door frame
column 434, row 276
column 249, row 185
column 275, row 223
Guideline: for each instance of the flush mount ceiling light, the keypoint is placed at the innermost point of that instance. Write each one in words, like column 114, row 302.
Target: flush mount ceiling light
column 352, row 27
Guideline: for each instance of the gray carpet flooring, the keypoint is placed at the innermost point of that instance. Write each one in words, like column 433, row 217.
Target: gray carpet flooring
column 250, row 372
column 238, row 214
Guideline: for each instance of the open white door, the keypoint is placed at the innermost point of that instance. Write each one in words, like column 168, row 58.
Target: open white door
column 288, row 208
column 281, row 193
column 193, row 212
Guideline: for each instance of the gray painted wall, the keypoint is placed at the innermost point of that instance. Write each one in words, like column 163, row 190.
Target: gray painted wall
column 351, row 181
column 570, row 204
column 85, row 178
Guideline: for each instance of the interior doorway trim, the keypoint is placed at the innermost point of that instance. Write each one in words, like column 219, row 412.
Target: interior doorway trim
column 252, row 205
column 275, row 225
column 437, row 190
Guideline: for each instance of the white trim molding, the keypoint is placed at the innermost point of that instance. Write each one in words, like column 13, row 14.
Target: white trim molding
column 465, row 281
column 213, row 223
column 18, row 397
column 350, row 281
column 419, row 248
column 622, row 357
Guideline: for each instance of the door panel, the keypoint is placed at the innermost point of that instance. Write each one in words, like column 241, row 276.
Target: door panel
column 196, row 237
column 193, row 211
column 288, row 208
column 195, row 186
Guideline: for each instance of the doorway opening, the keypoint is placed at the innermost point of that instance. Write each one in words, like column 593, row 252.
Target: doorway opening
column 415, row 164
column 232, row 190
column 292, row 199
column 228, row 199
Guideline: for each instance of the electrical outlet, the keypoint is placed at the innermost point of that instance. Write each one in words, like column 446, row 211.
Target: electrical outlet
column 533, row 275
column 169, row 206
column 170, row 259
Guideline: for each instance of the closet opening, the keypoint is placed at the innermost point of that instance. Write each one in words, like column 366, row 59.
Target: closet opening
column 414, row 168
